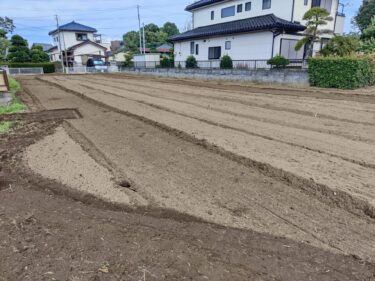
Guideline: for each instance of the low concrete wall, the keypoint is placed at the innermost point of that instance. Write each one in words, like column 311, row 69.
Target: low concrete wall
column 297, row 77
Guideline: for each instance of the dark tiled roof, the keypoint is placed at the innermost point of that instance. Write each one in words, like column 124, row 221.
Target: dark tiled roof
column 266, row 22
column 74, row 26
column 201, row 3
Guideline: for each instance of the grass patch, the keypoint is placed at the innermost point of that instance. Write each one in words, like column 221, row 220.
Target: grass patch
column 5, row 127
column 15, row 105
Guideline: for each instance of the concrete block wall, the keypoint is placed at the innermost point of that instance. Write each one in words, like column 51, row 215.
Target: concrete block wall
column 296, row 77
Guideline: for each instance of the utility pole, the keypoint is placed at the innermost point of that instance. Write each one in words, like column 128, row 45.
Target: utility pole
column 59, row 39
column 140, row 31
column 144, row 39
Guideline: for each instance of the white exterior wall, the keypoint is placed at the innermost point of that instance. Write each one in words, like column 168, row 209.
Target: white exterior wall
column 300, row 9
column 281, row 8
column 250, row 46
column 86, row 50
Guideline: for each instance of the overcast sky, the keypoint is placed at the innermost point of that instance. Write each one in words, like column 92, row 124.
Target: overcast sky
column 35, row 18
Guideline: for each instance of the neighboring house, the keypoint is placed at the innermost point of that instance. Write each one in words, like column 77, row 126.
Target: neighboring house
column 78, row 43
column 45, row 46
column 250, row 30
column 116, row 45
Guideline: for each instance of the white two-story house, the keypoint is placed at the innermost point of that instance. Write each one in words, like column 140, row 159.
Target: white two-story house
column 250, row 29
column 78, row 43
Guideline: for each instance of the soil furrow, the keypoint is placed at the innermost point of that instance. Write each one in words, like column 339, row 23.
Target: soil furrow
column 328, row 192
column 339, row 128
column 210, row 122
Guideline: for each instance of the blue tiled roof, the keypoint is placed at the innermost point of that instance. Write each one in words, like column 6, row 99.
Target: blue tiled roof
column 201, row 3
column 74, row 26
column 267, row 22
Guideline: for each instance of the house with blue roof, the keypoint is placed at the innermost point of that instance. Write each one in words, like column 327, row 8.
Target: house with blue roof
column 250, row 29
column 77, row 43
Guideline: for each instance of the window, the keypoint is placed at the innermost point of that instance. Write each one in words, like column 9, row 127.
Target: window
column 228, row 12
column 315, row 3
column 81, row 36
column 325, row 4
column 287, row 49
column 306, row 2
column 192, row 47
column 248, row 6
column 212, row 15
column 197, row 49
column 214, row 53
column 323, row 42
column 239, row 8
column 266, row 4
column 228, row 45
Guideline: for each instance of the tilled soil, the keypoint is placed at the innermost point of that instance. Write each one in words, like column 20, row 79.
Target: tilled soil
column 327, row 142
column 169, row 170
column 47, row 236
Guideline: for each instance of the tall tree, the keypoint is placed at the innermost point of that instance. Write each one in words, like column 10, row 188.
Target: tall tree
column 19, row 50
column 38, row 55
column 369, row 31
column 131, row 42
column 315, row 19
column 6, row 26
column 170, row 28
column 365, row 14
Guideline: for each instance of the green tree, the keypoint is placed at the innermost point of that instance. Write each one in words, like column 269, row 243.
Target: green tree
column 38, row 55
column 315, row 18
column 365, row 14
column 369, row 31
column 6, row 26
column 4, row 45
column 340, row 46
column 170, row 28
column 367, row 46
column 131, row 42
column 19, row 50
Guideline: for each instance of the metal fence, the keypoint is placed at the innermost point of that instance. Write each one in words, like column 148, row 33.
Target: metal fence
column 26, row 71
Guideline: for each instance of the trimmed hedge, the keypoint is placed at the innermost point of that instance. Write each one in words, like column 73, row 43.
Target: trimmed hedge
column 47, row 66
column 226, row 62
column 341, row 72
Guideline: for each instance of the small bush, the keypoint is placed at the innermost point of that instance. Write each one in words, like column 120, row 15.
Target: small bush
column 226, row 62
column 166, row 62
column 47, row 66
column 341, row 72
column 191, row 62
column 278, row 62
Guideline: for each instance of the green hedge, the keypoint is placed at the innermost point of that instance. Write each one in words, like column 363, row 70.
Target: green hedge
column 341, row 72
column 47, row 66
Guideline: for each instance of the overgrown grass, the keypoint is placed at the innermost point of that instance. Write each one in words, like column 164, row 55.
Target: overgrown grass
column 5, row 127
column 15, row 105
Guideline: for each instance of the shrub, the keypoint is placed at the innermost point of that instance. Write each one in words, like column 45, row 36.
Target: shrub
column 166, row 62
column 226, row 62
column 48, row 67
column 278, row 62
column 191, row 62
column 341, row 72
column 128, row 60
column 340, row 46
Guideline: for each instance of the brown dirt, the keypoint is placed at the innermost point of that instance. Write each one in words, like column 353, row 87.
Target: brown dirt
column 45, row 235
